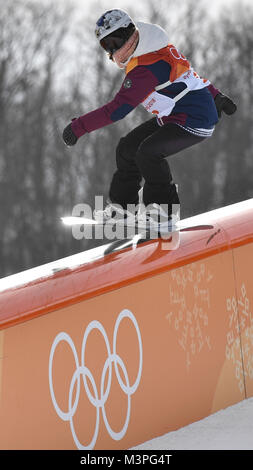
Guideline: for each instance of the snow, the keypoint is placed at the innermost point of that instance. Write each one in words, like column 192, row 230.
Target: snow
column 228, row 429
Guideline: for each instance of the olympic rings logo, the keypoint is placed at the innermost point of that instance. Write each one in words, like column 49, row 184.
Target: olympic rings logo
column 177, row 54
column 82, row 370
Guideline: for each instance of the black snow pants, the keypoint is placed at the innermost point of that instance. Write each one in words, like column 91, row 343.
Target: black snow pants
column 142, row 154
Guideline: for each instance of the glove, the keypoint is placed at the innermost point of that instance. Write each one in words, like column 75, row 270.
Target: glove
column 225, row 104
column 68, row 136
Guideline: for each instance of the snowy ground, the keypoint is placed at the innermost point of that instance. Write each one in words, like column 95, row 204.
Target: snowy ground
column 228, row 429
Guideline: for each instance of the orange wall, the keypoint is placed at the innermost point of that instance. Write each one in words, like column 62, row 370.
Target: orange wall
column 112, row 352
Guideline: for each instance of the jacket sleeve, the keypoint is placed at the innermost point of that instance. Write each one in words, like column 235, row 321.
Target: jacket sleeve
column 136, row 87
column 214, row 91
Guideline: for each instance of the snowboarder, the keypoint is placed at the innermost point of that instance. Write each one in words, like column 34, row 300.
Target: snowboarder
column 186, row 109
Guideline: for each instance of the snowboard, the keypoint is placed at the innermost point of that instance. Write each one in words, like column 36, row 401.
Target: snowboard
column 141, row 230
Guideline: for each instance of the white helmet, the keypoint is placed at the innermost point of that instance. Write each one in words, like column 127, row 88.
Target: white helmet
column 110, row 21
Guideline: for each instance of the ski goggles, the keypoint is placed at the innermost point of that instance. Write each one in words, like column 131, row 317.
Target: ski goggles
column 114, row 41
column 112, row 44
